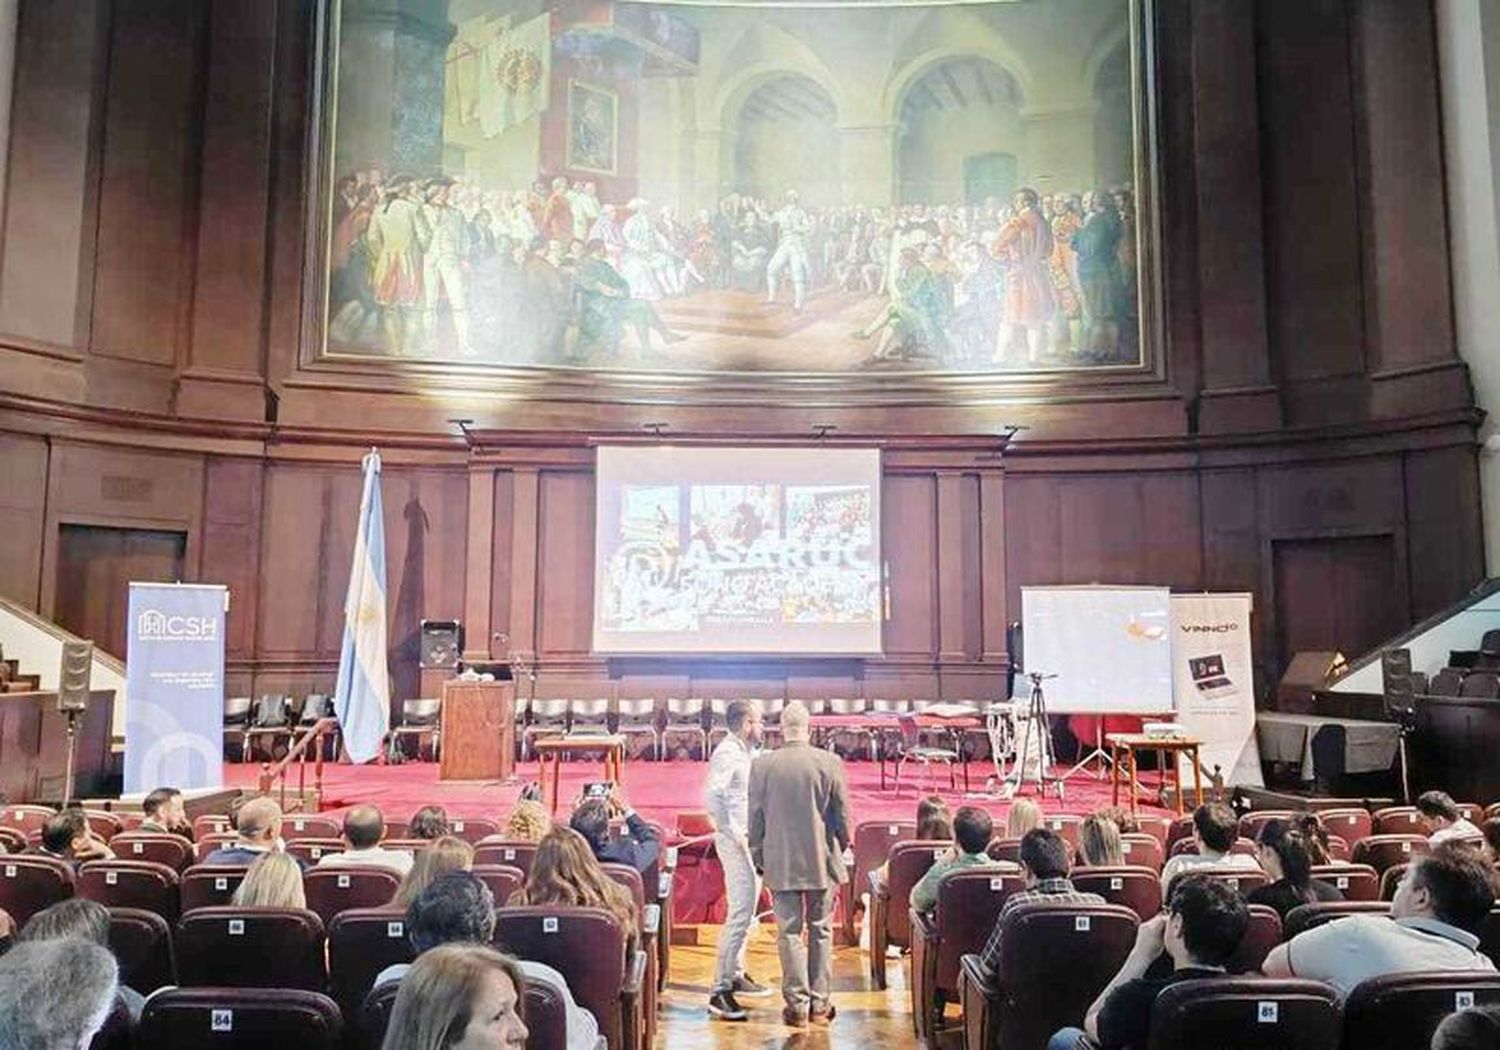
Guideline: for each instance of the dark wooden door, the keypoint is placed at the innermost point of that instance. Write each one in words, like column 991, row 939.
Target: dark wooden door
column 1338, row 594
column 95, row 565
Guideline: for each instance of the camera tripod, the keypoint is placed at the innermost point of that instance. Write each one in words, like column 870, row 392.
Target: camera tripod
column 1037, row 729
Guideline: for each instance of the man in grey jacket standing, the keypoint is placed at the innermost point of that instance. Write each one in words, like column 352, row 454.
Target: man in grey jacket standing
column 799, row 830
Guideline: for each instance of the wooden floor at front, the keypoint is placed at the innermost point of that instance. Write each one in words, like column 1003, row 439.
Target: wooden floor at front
column 867, row 1017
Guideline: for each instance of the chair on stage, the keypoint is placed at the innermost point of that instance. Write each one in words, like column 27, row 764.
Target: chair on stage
column 849, row 706
column 30, row 883
column 362, row 942
column 589, row 717
column 638, row 717
column 684, row 720
column 141, row 942
column 969, row 902
column 908, row 748
column 251, row 948
column 332, row 890
column 237, row 725
column 1055, row 959
column 139, row 884
column 1246, row 1013
column 273, row 717
column 546, row 718
column 890, row 906
column 421, row 718
column 718, row 708
column 241, row 1019
column 770, row 710
column 315, row 708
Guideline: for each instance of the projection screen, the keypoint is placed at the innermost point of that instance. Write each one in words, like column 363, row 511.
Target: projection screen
column 737, row 550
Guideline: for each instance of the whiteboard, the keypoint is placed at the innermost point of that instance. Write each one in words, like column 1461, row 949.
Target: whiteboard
column 1110, row 648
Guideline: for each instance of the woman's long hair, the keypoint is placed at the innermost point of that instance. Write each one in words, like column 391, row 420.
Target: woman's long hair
column 1099, row 842
column 566, row 872
column 1025, row 815
column 934, row 821
column 273, row 881
column 445, row 854
column 527, row 822
column 436, row 1000
column 1291, row 851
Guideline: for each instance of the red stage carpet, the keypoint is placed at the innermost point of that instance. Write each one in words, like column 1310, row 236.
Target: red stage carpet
column 659, row 790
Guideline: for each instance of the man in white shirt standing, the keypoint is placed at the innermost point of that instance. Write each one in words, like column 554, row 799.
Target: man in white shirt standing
column 728, row 800
column 1444, row 821
column 363, row 829
column 1214, row 830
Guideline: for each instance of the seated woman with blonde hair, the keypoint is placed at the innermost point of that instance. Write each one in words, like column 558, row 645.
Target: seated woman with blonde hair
column 527, row 822
column 565, row 872
column 273, row 881
column 1099, row 844
column 1025, row 815
column 448, row 853
column 459, row 996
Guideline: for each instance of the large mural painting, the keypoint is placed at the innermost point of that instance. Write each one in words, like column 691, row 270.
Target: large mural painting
column 836, row 187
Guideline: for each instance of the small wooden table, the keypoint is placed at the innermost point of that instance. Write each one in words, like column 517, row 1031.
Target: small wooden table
column 611, row 748
column 1123, row 748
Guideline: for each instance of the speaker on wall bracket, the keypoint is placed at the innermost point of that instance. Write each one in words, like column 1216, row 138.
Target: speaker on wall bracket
column 442, row 644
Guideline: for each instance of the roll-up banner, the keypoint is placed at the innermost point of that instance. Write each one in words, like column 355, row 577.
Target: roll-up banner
column 1213, row 685
column 174, row 684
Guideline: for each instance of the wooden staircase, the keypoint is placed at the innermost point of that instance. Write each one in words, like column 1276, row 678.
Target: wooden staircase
column 13, row 681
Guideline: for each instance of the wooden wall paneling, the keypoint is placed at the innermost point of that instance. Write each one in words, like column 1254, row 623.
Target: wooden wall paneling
column 46, row 286
column 95, row 567
column 1403, row 219
column 226, row 349
column 426, row 522
column 149, row 180
column 1237, row 392
column 126, row 488
column 909, row 520
column 993, row 615
column 23, row 510
column 343, row 489
column 481, row 588
column 1332, row 593
column 1313, row 272
column 525, row 511
column 1171, row 551
column 232, row 507
column 291, row 114
column 1102, row 527
column 501, row 575
column 294, row 548
column 1444, row 531
column 565, row 564
column 1033, row 536
column 1231, row 550
column 951, row 565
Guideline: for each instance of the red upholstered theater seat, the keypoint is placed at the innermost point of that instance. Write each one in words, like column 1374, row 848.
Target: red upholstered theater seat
column 1242, row 880
column 1261, row 935
column 587, row 946
column 12, row 840
column 209, row 885
column 1143, row 850
column 142, row 944
column 210, row 824
column 1246, row 1013
column 1350, row 824
column 1307, row 916
column 172, row 850
column 140, row 884
column 495, row 850
column 1055, row 960
column 310, row 850
column 332, row 890
column 969, row 902
column 240, row 1019
column 1137, row 888
column 361, row 943
column 890, row 915
column 26, row 819
column 502, row 879
column 104, row 825
column 300, row 826
column 473, row 830
column 1251, row 823
column 1386, row 851
column 1357, row 882
column 251, row 948
column 1398, row 820
column 1189, row 847
column 1404, row 1010
column 31, row 883
column 1066, row 826
column 873, row 840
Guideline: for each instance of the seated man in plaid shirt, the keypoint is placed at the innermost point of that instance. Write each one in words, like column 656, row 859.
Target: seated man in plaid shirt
column 1045, row 861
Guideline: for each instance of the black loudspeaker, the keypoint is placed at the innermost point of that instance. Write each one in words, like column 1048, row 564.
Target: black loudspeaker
column 442, row 644
column 1400, row 697
column 73, row 679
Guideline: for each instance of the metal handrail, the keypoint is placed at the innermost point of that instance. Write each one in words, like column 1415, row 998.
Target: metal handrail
column 269, row 774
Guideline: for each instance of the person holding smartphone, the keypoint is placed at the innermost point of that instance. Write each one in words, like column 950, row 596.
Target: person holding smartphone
column 639, row 847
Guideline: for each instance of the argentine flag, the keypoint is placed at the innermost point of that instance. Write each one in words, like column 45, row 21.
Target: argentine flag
column 362, row 698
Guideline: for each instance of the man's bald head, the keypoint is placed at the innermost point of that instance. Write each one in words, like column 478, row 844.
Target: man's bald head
column 260, row 820
column 363, row 827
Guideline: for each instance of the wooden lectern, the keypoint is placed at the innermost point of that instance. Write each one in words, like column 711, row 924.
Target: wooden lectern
column 479, row 730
